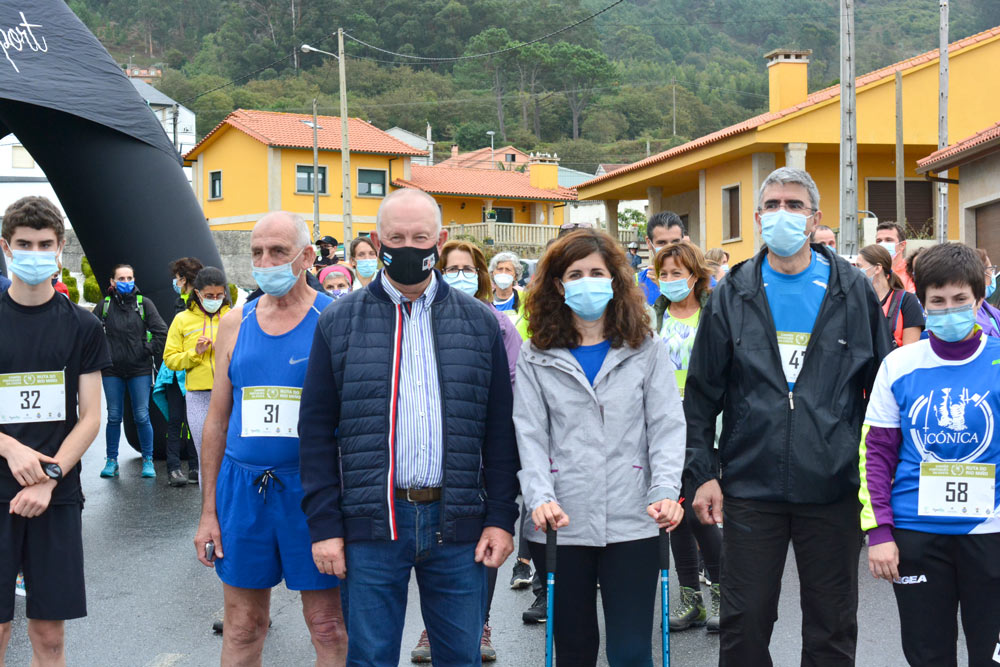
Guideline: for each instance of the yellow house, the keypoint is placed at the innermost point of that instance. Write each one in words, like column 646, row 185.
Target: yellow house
column 713, row 181
column 259, row 161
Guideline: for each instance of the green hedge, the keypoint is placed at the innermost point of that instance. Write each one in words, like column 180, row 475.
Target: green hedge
column 71, row 285
column 85, row 268
column 91, row 290
column 234, row 293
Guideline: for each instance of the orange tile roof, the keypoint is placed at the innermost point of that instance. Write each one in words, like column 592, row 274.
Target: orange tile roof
column 831, row 93
column 496, row 184
column 480, row 158
column 950, row 155
column 289, row 130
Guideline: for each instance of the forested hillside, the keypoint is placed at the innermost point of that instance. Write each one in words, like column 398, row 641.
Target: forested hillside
column 595, row 93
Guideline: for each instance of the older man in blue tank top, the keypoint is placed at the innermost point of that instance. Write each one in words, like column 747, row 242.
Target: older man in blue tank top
column 251, row 492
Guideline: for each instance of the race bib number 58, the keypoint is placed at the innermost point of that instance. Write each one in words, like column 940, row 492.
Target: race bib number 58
column 957, row 489
column 271, row 412
column 32, row 397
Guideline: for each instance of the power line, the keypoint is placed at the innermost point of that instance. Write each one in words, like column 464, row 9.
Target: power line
column 489, row 53
column 237, row 80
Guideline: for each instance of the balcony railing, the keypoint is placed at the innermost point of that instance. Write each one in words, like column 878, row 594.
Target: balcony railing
column 517, row 234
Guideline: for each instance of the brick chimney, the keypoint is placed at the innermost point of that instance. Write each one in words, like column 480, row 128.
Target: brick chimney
column 788, row 78
column 543, row 171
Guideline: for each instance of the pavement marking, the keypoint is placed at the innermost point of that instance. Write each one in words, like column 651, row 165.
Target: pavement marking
column 166, row 660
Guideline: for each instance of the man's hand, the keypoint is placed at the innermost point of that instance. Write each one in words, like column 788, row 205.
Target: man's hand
column 549, row 514
column 329, row 557
column 666, row 513
column 25, row 463
column 494, row 546
column 708, row 502
column 208, row 531
column 204, row 342
column 883, row 561
column 32, row 500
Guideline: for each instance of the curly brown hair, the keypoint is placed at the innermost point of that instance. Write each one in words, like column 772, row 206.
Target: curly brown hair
column 689, row 256
column 626, row 320
column 485, row 291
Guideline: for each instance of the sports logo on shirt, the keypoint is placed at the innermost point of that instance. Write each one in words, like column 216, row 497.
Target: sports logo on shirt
column 951, row 426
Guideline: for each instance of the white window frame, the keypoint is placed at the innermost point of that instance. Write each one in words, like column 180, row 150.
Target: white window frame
column 385, row 175
column 210, row 189
column 325, row 179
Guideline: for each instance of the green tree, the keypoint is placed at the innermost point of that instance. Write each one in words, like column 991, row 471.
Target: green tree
column 494, row 70
column 583, row 72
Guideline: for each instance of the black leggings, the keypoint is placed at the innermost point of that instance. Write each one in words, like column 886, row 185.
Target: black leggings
column 628, row 573
column 177, row 442
column 682, row 545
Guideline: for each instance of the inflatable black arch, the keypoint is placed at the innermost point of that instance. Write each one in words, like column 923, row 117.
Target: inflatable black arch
column 115, row 172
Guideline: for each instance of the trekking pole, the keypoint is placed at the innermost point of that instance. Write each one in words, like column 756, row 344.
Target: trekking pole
column 665, row 593
column 550, row 593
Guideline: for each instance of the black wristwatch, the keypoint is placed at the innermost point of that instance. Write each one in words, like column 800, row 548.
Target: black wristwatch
column 53, row 471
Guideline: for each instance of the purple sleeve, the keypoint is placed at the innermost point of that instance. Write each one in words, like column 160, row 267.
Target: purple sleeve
column 879, row 458
column 511, row 341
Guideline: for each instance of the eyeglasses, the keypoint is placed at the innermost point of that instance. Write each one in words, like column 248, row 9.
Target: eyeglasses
column 793, row 205
column 465, row 273
column 991, row 270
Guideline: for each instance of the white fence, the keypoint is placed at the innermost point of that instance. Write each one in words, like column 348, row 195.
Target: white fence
column 517, row 234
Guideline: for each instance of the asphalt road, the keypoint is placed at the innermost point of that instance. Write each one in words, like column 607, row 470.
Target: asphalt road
column 152, row 604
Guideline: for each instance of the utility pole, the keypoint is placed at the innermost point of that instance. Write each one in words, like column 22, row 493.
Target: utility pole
column 673, row 107
column 345, row 151
column 900, row 173
column 315, row 172
column 848, row 134
column 177, row 145
column 942, row 227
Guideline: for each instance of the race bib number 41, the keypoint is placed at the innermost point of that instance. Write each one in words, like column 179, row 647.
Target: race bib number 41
column 32, row 397
column 792, row 348
column 271, row 412
column 957, row 489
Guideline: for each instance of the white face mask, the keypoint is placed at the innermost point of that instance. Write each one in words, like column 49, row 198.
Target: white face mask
column 503, row 280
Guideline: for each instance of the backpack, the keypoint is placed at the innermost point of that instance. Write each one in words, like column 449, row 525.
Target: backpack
column 139, row 308
column 892, row 316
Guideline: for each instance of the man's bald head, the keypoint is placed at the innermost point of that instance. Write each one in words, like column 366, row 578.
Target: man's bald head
column 278, row 238
column 408, row 205
column 283, row 223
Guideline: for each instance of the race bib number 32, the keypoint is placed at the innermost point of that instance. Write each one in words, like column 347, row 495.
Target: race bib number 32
column 792, row 347
column 32, row 397
column 271, row 412
column 957, row 489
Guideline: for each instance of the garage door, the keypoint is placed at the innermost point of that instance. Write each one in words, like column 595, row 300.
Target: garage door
column 988, row 230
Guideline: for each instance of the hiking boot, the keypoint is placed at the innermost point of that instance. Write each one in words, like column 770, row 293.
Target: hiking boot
column 538, row 612
column 691, row 613
column 486, row 646
column 713, row 614
column 422, row 651
column 110, row 468
column 148, row 469
column 193, row 476
column 177, row 478
column 522, row 575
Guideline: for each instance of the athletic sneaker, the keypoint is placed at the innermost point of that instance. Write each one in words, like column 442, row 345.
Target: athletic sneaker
column 486, row 646
column 713, row 614
column 691, row 613
column 703, row 576
column 177, row 478
column 522, row 575
column 422, row 651
column 193, row 476
column 148, row 470
column 538, row 612
column 19, row 585
column 110, row 468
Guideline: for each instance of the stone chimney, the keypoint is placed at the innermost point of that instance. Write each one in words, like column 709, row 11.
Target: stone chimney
column 788, row 78
column 543, row 171
column 454, row 150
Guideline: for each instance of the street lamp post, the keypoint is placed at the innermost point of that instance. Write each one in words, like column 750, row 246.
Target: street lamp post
column 493, row 163
column 345, row 152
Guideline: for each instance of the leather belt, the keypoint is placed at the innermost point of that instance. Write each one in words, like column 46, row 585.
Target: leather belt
column 419, row 495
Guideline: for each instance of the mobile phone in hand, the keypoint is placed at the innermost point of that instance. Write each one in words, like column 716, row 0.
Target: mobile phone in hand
column 210, row 551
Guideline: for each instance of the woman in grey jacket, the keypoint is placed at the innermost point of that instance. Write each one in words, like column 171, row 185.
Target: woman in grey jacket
column 600, row 432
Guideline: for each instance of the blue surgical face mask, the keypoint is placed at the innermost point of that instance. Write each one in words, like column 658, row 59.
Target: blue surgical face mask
column 588, row 297
column 784, row 232
column 890, row 247
column 463, row 283
column 951, row 324
column 177, row 288
column 367, row 267
column 212, row 305
column 675, row 290
column 276, row 281
column 125, row 286
column 34, row 267
column 336, row 293
column 992, row 287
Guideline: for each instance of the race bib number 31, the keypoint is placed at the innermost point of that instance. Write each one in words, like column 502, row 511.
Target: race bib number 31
column 32, row 397
column 271, row 412
column 957, row 489
column 792, row 347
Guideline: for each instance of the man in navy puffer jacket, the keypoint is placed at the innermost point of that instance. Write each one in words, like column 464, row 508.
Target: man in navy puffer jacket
column 407, row 452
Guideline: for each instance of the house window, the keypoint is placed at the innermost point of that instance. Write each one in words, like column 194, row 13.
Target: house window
column 731, row 213
column 21, row 158
column 504, row 214
column 215, row 185
column 304, row 179
column 919, row 204
column 371, row 183
column 509, row 157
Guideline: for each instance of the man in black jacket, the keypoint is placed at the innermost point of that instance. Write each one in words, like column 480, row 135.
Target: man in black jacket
column 787, row 349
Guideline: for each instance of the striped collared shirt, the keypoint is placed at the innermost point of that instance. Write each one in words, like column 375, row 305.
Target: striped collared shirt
column 417, row 430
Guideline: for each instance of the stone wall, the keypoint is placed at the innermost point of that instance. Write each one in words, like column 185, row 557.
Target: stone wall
column 72, row 254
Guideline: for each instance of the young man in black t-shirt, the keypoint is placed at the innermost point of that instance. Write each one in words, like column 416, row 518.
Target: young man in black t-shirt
column 50, row 412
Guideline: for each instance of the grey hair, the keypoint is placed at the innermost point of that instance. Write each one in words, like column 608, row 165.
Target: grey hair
column 302, row 235
column 405, row 192
column 790, row 175
column 507, row 257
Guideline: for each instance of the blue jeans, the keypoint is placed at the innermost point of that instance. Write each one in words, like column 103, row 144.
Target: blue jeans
column 114, row 392
column 452, row 592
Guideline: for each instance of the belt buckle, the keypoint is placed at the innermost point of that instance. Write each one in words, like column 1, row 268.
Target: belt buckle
column 408, row 499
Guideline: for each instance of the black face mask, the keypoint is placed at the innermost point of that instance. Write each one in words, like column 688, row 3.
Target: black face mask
column 324, row 251
column 406, row 265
